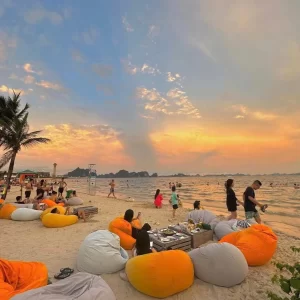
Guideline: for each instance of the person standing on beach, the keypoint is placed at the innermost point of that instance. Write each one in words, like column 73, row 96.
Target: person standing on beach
column 158, row 198
column 250, row 202
column 174, row 201
column 28, row 188
column 231, row 199
column 112, row 188
column 61, row 186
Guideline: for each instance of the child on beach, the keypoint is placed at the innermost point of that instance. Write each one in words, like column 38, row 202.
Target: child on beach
column 250, row 202
column 158, row 198
column 174, row 201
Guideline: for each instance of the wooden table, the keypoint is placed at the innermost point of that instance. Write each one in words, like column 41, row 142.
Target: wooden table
column 178, row 241
column 199, row 237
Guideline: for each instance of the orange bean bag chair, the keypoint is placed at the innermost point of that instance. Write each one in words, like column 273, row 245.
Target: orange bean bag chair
column 51, row 203
column 1, row 201
column 6, row 210
column 124, row 230
column 18, row 277
column 258, row 243
column 161, row 274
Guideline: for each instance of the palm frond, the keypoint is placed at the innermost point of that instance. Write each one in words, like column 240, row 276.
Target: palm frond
column 33, row 134
column 6, row 157
column 35, row 141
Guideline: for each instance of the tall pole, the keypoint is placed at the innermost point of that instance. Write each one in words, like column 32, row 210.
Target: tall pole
column 54, row 171
column 90, row 166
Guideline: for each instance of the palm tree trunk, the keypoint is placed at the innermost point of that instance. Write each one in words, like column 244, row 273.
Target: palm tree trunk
column 9, row 173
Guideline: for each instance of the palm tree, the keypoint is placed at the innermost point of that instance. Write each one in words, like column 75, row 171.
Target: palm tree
column 14, row 132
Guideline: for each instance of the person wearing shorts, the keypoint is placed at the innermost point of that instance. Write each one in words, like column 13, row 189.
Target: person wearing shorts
column 250, row 202
column 61, row 188
column 28, row 188
column 174, row 201
column 112, row 189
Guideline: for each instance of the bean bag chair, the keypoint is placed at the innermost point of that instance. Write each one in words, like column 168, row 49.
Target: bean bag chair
column 18, row 277
column 80, row 286
column 75, row 201
column 161, row 274
column 6, row 210
column 57, row 221
column 204, row 216
column 18, row 205
column 258, row 243
column 2, row 201
column 26, row 214
column 51, row 203
column 101, row 253
column 61, row 209
column 124, row 230
column 223, row 228
column 219, row 264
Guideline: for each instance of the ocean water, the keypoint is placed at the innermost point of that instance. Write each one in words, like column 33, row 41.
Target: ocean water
column 282, row 198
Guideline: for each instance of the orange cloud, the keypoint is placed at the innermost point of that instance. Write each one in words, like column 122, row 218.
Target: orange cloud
column 202, row 150
column 74, row 146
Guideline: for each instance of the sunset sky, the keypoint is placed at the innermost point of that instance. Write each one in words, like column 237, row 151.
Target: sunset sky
column 166, row 86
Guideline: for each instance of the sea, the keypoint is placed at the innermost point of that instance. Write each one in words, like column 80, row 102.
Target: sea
column 282, row 198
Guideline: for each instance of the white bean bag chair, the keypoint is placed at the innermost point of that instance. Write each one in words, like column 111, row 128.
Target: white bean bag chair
column 18, row 205
column 74, row 201
column 223, row 228
column 204, row 216
column 219, row 264
column 101, row 253
column 26, row 214
column 81, row 286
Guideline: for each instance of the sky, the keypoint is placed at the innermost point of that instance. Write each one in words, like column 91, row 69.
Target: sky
column 198, row 86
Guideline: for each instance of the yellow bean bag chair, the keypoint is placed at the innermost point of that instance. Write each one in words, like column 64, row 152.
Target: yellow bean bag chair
column 258, row 243
column 124, row 230
column 6, row 210
column 161, row 274
column 61, row 209
column 17, row 277
column 51, row 203
column 57, row 220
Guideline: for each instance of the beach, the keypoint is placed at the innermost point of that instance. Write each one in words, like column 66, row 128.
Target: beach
column 57, row 248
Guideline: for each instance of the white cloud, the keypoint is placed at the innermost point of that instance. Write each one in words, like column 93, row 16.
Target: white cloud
column 29, row 79
column 126, row 25
column 6, row 89
column 153, row 31
column 175, row 103
column 77, row 56
column 264, row 116
column 239, row 117
column 149, row 70
column 37, row 15
column 258, row 115
column 203, row 48
column 49, row 85
column 240, row 108
column 129, row 67
column 90, row 36
column 170, row 77
column 28, row 68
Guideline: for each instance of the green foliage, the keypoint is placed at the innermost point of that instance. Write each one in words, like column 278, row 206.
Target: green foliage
column 289, row 284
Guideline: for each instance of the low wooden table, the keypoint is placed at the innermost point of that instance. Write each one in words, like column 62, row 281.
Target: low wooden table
column 199, row 237
column 178, row 241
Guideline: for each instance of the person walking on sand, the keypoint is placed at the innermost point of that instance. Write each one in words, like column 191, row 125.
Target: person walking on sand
column 231, row 199
column 112, row 188
column 174, row 201
column 250, row 202
column 61, row 186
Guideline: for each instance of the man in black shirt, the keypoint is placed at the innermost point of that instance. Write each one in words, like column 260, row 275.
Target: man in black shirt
column 250, row 202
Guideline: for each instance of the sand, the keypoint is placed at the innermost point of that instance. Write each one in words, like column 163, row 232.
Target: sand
column 57, row 248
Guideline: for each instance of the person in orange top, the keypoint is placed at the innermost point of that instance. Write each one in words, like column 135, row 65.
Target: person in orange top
column 158, row 198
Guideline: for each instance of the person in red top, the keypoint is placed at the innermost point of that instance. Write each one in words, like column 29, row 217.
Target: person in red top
column 158, row 198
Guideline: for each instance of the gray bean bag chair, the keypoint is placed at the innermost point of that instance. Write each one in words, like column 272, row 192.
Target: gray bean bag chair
column 101, row 253
column 204, row 216
column 223, row 228
column 74, row 201
column 18, row 205
column 219, row 264
column 81, row 286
